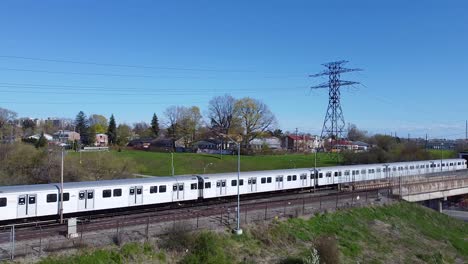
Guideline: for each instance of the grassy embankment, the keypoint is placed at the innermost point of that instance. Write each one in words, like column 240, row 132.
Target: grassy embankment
column 159, row 164
column 400, row 233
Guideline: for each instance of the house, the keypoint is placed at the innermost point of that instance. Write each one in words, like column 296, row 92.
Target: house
column 102, row 140
column 356, row 146
column 37, row 136
column 272, row 143
column 65, row 136
column 214, row 146
column 301, row 143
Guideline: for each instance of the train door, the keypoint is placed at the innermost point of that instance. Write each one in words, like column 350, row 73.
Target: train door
column 135, row 195
column 253, row 184
column 27, row 205
column 279, row 182
column 177, row 191
column 86, row 200
column 221, row 187
column 329, row 176
column 303, row 179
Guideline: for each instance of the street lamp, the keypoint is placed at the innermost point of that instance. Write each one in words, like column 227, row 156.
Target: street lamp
column 61, row 187
column 237, row 230
column 206, row 166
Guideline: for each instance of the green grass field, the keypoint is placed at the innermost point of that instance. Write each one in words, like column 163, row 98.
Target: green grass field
column 159, row 164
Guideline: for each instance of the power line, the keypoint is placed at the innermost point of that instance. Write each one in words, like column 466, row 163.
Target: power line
column 142, row 76
column 118, row 65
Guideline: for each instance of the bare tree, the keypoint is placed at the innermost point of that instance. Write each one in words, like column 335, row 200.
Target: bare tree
column 355, row 134
column 6, row 116
column 221, row 111
column 173, row 116
column 255, row 117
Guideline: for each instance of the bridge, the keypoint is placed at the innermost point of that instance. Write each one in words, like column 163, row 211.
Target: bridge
column 420, row 188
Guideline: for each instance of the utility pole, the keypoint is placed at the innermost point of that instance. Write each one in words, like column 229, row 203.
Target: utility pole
column 61, row 188
column 334, row 124
column 296, row 141
column 425, row 146
column 172, row 162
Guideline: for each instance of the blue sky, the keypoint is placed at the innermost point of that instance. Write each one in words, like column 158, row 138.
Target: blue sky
column 414, row 55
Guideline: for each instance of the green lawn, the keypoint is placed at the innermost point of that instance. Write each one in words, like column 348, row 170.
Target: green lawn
column 159, row 164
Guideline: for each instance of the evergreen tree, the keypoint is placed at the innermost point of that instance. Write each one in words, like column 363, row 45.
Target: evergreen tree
column 42, row 141
column 81, row 126
column 155, row 126
column 112, row 131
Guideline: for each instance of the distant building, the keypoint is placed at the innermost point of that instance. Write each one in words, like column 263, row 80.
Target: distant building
column 66, row 136
column 301, row 143
column 273, row 143
column 102, row 140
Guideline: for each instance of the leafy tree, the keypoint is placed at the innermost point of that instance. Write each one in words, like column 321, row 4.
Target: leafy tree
column 82, row 126
column 355, row 134
column 28, row 126
column 190, row 122
column 124, row 132
column 255, row 118
column 155, row 125
column 42, row 141
column 112, row 131
column 92, row 135
column 96, row 119
column 142, row 129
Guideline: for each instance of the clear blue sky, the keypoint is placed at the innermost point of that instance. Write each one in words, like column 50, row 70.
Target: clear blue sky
column 414, row 55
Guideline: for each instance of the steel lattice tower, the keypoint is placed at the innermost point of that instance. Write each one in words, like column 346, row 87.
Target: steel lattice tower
column 334, row 124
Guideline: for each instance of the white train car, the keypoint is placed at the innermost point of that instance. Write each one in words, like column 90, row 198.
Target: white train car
column 225, row 184
column 27, row 201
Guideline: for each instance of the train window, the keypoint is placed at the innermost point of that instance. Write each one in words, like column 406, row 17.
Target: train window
column 132, row 191
column 459, row 163
column 52, row 198
column 3, row 202
column 233, row 183
column 320, row 175
column 281, row 178
column 66, row 197
column 254, row 180
column 406, row 167
column 174, row 187
column 346, row 173
column 193, row 186
column 81, row 195
column 162, row 188
column 289, row 178
column 328, row 174
column 90, row 195
column 223, row 184
column 207, row 185
column 117, row 192
column 241, row 182
column 438, row 165
column 394, row 168
column 336, row 174
column 443, row 164
column 263, row 180
column 277, row 179
column 294, row 177
column 268, row 179
column 218, row 184
column 106, row 193
column 21, row 200
column 378, row 170
column 249, row 181
column 153, row 189
column 32, row 200
column 181, row 187
column 363, row 171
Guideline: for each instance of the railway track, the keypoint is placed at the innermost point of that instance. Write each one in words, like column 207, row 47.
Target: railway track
column 101, row 222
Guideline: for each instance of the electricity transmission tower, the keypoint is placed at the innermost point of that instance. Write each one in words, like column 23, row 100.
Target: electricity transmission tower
column 334, row 124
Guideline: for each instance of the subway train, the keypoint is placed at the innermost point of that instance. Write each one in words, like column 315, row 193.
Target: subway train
column 41, row 200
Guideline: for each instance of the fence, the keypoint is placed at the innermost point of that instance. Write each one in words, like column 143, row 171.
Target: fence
column 131, row 228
